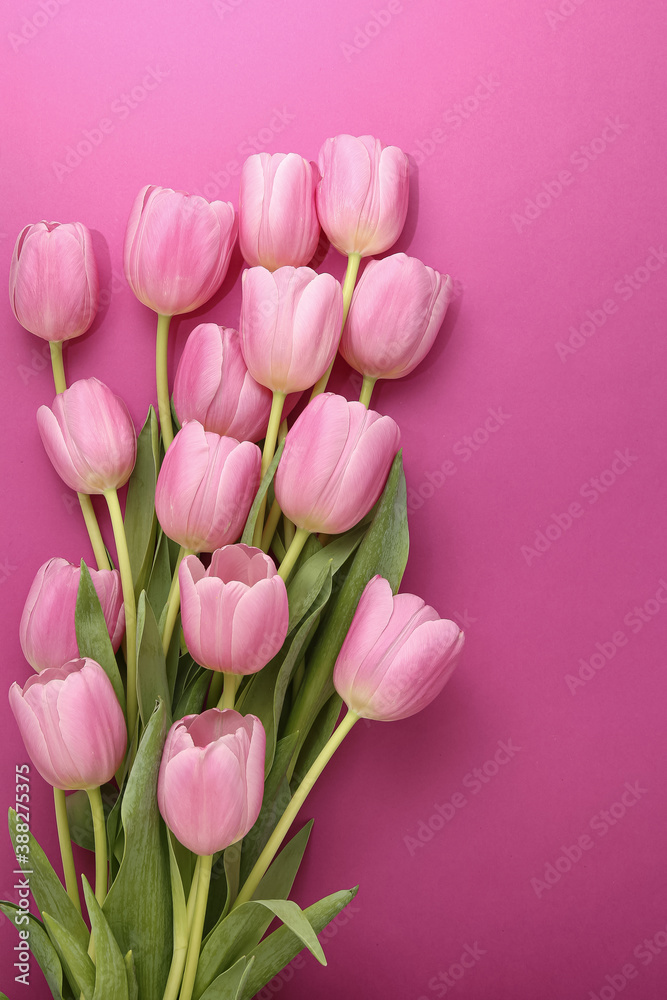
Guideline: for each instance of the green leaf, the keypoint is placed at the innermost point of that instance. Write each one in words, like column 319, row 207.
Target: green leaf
column 132, row 985
column 383, row 551
column 140, row 520
column 138, row 907
column 160, row 578
column 307, row 582
column 79, row 816
column 152, row 680
column 229, row 986
column 249, row 529
column 233, row 935
column 275, row 801
column 47, row 890
column 319, row 734
column 279, row 948
column 75, row 959
column 192, row 700
column 92, row 635
column 110, row 972
column 40, row 945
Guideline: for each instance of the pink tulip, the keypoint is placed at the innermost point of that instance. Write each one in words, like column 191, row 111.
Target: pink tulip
column 206, row 487
column 71, row 724
column 214, row 386
column 47, row 631
column 177, row 248
column 89, row 436
column 397, row 309
column 362, row 198
column 278, row 222
column 53, row 283
column 397, row 656
column 234, row 614
column 336, row 461
column 211, row 780
column 290, row 325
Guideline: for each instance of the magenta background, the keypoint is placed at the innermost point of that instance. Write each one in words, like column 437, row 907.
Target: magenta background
column 226, row 67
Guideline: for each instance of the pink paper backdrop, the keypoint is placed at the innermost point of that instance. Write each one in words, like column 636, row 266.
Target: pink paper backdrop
column 509, row 842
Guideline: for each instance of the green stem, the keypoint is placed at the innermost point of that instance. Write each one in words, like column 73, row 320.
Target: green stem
column 57, row 365
column 232, row 682
column 267, row 456
column 270, row 526
column 181, row 938
column 215, row 690
column 194, row 945
column 94, row 532
column 162, row 379
column 65, row 842
column 288, row 817
column 130, row 607
column 367, row 387
column 173, row 601
column 293, row 552
column 353, row 262
column 99, row 830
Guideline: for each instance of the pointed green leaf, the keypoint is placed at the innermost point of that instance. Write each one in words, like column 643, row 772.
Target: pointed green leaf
column 319, row 734
column 92, row 635
column 132, row 985
column 75, row 960
column 138, row 907
column 249, row 529
column 279, row 948
column 41, row 947
column 152, row 680
column 230, row 985
column 110, row 972
column 192, row 700
column 47, row 890
column 275, row 801
column 160, row 576
column 306, row 583
column 140, row 520
column 238, row 932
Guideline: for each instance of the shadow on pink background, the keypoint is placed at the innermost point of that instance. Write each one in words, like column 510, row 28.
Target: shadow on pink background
column 509, row 842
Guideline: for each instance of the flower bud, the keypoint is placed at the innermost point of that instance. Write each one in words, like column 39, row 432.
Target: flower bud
column 177, row 248
column 47, row 631
column 278, row 222
column 71, row 724
column 362, row 198
column 206, row 487
column 397, row 309
column 53, row 283
column 290, row 326
column 335, row 463
column 89, row 436
column 211, row 780
column 235, row 613
column 397, row 656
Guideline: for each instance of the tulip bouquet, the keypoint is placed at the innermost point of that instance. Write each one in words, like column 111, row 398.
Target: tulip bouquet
column 186, row 695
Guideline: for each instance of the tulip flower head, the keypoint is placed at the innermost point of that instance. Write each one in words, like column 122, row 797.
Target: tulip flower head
column 206, row 487
column 234, row 614
column 290, row 325
column 211, row 780
column 89, row 436
column 177, row 248
column 47, row 631
column 397, row 656
column 71, row 724
column 278, row 222
column 53, row 282
column 362, row 197
column 397, row 309
column 335, row 463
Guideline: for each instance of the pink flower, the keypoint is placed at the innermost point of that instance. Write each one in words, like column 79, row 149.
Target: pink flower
column 53, row 283
column 234, row 614
column 290, row 325
column 397, row 656
column 278, row 222
column 397, row 309
column 177, row 248
column 206, row 487
column 89, row 436
column 47, row 631
column 335, row 463
column 211, row 780
column 71, row 724
column 362, row 198
column 214, row 386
